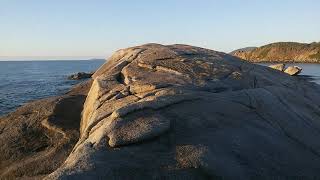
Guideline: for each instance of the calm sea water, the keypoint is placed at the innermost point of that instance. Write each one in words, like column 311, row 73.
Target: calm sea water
column 23, row 81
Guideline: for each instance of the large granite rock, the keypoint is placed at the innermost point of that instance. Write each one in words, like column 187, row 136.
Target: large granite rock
column 38, row 137
column 183, row 112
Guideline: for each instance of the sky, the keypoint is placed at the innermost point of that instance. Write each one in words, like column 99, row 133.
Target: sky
column 81, row 29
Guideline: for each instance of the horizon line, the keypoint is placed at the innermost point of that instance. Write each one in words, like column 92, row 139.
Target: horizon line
column 49, row 58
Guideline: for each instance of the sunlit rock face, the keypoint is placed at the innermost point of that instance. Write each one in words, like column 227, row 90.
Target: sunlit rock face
column 179, row 111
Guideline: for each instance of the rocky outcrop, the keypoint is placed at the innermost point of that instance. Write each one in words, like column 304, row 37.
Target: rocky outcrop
column 37, row 138
column 282, row 52
column 80, row 75
column 293, row 70
column 279, row 67
column 183, row 112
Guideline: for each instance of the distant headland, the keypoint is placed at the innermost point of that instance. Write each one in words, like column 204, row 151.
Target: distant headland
column 293, row 52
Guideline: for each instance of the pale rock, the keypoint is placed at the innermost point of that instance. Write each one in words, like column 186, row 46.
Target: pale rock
column 293, row 70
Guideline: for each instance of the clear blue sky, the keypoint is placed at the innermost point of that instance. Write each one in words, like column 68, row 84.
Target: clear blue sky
column 96, row 28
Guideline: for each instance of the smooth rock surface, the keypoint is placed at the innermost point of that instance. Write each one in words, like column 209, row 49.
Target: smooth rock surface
column 183, row 112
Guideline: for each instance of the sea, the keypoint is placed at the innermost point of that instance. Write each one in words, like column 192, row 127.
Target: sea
column 24, row 81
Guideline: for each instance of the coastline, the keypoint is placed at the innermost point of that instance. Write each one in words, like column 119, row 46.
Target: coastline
column 70, row 90
column 41, row 133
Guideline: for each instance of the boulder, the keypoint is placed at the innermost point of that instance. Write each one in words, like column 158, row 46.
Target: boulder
column 293, row 70
column 279, row 67
column 80, row 75
column 184, row 112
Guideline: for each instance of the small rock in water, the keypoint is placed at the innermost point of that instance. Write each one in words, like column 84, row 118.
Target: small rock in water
column 279, row 67
column 80, row 75
column 293, row 70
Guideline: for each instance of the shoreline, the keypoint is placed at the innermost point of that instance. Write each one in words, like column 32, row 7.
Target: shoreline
column 25, row 81
column 59, row 94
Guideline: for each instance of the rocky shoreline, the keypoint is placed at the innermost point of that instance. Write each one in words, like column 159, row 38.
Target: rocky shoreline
column 175, row 111
column 36, row 138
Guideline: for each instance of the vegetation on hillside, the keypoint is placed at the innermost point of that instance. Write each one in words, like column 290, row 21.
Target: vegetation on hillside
column 283, row 52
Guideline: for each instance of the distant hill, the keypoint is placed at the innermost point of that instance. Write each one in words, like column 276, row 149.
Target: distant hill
column 282, row 52
column 246, row 49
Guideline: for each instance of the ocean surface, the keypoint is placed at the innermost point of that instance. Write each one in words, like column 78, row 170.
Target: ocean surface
column 23, row 81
